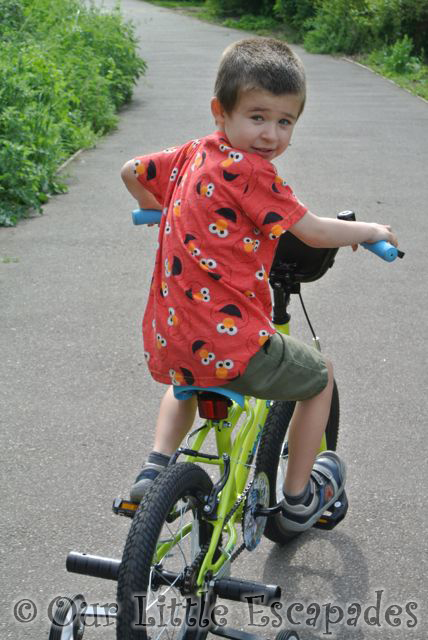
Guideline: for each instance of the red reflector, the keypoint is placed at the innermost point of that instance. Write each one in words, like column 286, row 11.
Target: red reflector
column 214, row 408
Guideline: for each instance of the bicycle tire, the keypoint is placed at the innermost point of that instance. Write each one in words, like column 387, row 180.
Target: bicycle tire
column 269, row 456
column 179, row 489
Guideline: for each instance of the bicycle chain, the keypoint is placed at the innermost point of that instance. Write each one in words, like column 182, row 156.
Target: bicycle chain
column 191, row 572
column 237, row 504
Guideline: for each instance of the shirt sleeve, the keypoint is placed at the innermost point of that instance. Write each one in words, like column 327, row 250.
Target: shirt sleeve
column 271, row 203
column 156, row 171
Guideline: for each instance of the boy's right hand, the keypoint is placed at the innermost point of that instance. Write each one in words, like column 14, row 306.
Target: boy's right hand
column 379, row 232
column 330, row 233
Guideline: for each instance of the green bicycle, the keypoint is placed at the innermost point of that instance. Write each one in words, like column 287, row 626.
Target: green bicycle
column 184, row 536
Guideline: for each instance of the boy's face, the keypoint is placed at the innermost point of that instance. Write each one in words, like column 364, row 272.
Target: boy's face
column 260, row 122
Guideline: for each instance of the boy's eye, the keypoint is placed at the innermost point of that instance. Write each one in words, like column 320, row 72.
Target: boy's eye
column 284, row 122
column 257, row 118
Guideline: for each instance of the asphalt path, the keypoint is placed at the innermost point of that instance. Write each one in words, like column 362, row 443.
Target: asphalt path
column 78, row 405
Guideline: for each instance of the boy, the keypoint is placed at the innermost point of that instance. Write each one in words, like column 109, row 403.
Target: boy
column 207, row 320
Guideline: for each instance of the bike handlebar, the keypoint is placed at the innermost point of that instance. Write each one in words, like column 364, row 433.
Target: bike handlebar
column 383, row 249
column 146, row 216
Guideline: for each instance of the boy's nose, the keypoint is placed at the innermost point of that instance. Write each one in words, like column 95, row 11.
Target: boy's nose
column 269, row 133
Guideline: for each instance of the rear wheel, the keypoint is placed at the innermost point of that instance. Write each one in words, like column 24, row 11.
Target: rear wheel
column 157, row 577
column 271, row 457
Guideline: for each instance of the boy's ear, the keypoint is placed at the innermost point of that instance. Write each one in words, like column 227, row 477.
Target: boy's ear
column 217, row 111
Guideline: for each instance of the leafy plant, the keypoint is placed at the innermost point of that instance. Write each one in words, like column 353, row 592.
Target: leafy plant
column 295, row 13
column 65, row 68
column 249, row 22
column 340, row 25
column 398, row 57
column 224, row 8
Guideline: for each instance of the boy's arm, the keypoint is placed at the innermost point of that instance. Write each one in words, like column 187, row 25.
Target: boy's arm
column 145, row 199
column 330, row 233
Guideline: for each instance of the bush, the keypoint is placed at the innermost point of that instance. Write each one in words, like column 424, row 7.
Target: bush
column 354, row 26
column 340, row 25
column 226, row 8
column 397, row 58
column 394, row 19
column 295, row 13
column 65, row 68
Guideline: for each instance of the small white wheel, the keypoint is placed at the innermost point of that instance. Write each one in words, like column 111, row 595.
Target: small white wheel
column 68, row 620
column 287, row 635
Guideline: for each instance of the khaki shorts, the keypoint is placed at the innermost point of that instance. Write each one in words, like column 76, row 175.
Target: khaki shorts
column 283, row 369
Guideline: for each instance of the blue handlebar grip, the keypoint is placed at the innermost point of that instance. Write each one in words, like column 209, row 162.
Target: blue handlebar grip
column 146, row 216
column 383, row 249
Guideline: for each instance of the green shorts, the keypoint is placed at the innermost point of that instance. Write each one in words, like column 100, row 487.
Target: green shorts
column 283, row 369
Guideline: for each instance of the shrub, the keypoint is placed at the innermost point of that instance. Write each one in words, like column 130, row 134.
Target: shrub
column 397, row 58
column 250, row 22
column 65, row 68
column 225, row 8
column 340, row 25
column 295, row 13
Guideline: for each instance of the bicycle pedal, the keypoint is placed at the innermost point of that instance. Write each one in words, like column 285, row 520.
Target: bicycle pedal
column 125, row 507
column 334, row 515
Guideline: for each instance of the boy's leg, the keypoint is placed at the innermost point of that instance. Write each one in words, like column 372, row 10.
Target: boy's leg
column 304, row 437
column 285, row 369
column 313, row 482
column 175, row 419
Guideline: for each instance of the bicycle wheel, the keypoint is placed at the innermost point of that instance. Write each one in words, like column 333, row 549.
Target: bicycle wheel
column 156, row 581
column 270, row 457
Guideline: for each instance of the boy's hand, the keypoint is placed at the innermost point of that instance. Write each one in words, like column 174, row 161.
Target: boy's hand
column 379, row 232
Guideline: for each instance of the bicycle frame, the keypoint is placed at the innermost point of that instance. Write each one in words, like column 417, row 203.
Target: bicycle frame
column 240, row 451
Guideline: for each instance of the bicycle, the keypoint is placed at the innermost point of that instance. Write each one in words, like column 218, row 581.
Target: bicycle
column 183, row 537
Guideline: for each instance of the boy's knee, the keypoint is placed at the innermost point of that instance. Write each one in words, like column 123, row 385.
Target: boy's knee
column 330, row 371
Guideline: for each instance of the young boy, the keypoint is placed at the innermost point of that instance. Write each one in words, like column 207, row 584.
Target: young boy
column 208, row 317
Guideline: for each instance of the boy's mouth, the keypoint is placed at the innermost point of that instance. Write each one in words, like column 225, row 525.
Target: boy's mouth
column 263, row 151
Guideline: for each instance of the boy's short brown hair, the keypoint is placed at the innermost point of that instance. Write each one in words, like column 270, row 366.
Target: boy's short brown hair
column 259, row 63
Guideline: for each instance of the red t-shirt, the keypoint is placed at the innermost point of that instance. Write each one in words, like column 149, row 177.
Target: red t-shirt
column 209, row 305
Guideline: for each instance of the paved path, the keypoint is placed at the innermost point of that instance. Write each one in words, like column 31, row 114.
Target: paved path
column 77, row 404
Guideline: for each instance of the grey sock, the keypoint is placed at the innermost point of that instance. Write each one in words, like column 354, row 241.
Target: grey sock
column 158, row 458
column 305, row 497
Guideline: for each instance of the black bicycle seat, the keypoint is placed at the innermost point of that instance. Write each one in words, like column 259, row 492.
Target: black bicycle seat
column 297, row 261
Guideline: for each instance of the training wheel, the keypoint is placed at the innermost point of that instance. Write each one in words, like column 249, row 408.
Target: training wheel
column 68, row 620
column 287, row 635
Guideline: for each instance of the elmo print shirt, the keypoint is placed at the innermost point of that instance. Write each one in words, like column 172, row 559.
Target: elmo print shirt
column 209, row 305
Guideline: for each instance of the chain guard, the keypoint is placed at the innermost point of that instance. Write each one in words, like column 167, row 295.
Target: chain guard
column 258, row 495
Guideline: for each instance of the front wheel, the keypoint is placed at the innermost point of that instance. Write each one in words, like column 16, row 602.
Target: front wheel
column 161, row 559
column 271, row 457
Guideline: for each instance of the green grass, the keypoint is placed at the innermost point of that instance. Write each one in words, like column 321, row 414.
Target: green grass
column 397, row 63
column 415, row 82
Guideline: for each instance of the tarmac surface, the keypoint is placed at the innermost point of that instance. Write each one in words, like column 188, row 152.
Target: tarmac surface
column 77, row 402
